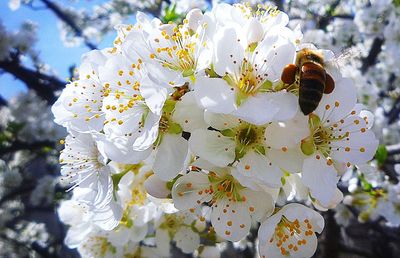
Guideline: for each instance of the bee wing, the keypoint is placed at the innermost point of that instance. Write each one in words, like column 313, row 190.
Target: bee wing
column 346, row 56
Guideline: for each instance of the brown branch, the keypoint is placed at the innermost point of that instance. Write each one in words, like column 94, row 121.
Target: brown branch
column 15, row 193
column 331, row 236
column 370, row 60
column 44, row 85
column 352, row 250
column 69, row 21
column 18, row 145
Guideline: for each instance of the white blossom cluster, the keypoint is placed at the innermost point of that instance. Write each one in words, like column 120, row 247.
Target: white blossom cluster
column 183, row 132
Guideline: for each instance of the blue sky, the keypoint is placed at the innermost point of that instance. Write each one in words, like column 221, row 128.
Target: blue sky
column 51, row 49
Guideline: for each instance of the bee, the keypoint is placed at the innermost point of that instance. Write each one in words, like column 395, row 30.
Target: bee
column 310, row 74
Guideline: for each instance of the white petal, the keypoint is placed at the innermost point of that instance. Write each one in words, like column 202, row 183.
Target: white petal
column 298, row 211
column 359, row 146
column 187, row 240
column 119, row 149
column 148, row 134
column 212, row 146
column 153, row 94
column 231, row 220
column 220, row 121
column 260, row 168
column 156, row 187
column 274, row 52
column 215, row 94
column 253, row 30
column 290, row 160
column 188, row 191
column 188, row 114
column 267, row 228
column 320, row 178
column 171, row 156
column 163, row 241
column 228, row 50
column 339, row 103
column 250, row 110
column 287, row 134
column 260, row 204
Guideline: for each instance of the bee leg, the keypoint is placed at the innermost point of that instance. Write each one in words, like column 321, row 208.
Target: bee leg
column 289, row 74
column 329, row 84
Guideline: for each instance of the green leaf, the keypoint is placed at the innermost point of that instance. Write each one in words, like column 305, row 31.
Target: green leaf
column 367, row 187
column 171, row 15
column 381, row 154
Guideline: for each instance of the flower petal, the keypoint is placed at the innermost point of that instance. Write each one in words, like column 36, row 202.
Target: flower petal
column 215, row 95
column 188, row 191
column 188, row 114
column 231, row 220
column 260, row 168
column 212, row 146
column 187, row 240
column 320, row 177
column 220, row 121
column 260, row 204
column 171, row 161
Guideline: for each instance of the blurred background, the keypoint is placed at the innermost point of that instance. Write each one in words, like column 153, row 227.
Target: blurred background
column 41, row 42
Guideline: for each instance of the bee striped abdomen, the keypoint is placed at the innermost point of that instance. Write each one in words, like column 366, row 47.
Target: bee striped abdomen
column 312, row 84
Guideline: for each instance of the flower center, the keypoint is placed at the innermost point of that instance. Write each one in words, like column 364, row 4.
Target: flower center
column 98, row 246
column 225, row 187
column 172, row 223
column 290, row 235
column 247, row 136
column 178, row 53
column 262, row 11
column 321, row 137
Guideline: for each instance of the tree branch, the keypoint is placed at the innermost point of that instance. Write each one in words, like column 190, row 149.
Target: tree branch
column 3, row 102
column 18, row 145
column 370, row 60
column 69, row 21
column 44, row 85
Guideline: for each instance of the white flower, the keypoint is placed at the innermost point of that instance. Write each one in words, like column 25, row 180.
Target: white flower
column 237, row 141
column 82, row 162
column 14, row 4
column 244, row 82
column 180, row 113
column 133, row 101
column 339, row 136
column 290, row 232
column 175, row 51
column 138, row 209
column 232, row 204
column 176, row 227
column 79, row 105
column 85, row 167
